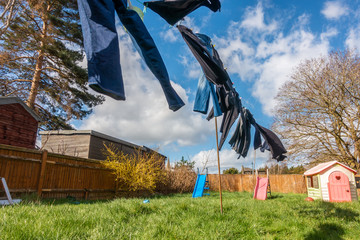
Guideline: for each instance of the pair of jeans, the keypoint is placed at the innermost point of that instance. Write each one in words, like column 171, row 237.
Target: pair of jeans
column 103, row 52
column 204, row 90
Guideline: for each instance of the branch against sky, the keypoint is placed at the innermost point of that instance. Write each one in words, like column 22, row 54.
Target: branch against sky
column 319, row 109
column 40, row 53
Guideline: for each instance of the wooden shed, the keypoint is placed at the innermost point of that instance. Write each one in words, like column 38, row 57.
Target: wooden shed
column 85, row 143
column 331, row 181
column 18, row 123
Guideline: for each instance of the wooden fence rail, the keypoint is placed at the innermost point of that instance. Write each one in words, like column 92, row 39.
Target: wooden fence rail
column 53, row 175
column 57, row 176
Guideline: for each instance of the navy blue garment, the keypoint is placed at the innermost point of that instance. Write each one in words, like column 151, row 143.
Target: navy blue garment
column 102, row 47
column 240, row 141
column 213, row 70
column 103, row 53
column 174, row 10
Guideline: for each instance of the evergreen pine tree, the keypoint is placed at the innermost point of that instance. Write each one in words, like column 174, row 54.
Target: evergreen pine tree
column 39, row 62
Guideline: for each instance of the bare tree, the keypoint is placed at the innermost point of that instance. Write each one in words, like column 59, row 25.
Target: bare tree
column 319, row 109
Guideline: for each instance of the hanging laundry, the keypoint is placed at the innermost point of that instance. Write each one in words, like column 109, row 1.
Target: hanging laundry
column 240, row 140
column 175, row 10
column 202, row 97
column 214, row 71
column 206, row 88
column 103, row 52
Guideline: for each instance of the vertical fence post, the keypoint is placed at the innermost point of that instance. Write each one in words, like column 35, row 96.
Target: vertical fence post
column 42, row 172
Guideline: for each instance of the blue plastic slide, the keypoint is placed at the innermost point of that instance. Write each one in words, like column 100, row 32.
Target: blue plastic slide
column 199, row 186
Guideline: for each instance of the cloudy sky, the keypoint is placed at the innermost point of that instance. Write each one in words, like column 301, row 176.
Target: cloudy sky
column 260, row 43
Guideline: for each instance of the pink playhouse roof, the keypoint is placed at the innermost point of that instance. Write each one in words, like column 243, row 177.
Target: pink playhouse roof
column 324, row 166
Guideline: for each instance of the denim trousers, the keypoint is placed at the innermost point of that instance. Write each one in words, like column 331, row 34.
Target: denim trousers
column 204, row 90
column 103, row 53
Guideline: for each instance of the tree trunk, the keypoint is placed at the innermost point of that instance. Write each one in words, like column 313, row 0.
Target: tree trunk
column 39, row 64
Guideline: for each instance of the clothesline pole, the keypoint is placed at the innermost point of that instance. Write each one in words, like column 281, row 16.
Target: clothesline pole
column 218, row 159
column 254, row 159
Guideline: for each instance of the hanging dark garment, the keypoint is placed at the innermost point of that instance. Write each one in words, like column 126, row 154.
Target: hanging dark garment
column 175, row 10
column 213, row 70
column 229, row 118
column 103, row 53
column 240, row 141
column 276, row 147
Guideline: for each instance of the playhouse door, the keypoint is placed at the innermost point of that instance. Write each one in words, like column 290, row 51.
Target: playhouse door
column 339, row 187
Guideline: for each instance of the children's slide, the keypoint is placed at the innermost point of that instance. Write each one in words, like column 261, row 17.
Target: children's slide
column 261, row 186
column 199, row 186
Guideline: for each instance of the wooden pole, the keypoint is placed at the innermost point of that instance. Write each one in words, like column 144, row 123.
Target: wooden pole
column 218, row 159
column 42, row 172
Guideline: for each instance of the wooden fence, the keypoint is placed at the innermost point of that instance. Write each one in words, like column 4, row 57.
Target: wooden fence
column 57, row 176
column 285, row 183
column 53, row 175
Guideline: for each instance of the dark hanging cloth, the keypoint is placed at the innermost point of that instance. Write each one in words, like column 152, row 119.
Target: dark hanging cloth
column 175, row 10
column 240, row 140
column 229, row 117
column 274, row 144
column 103, row 53
column 214, row 71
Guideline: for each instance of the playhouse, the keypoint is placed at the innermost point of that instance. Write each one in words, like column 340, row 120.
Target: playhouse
column 331, row 181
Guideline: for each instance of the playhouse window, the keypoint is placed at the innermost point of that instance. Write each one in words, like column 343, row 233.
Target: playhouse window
column 313, row 182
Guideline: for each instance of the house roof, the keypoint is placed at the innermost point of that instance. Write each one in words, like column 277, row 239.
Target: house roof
column 324, row 166
column 14, row 100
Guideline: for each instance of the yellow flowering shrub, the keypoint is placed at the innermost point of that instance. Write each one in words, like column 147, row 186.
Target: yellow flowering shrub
column 141, row 171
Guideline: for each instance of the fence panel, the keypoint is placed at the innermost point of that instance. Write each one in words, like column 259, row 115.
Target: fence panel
column 54, row 175
column 287, row 183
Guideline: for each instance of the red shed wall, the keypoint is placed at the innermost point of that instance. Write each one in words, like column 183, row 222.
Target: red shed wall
column 17, row 126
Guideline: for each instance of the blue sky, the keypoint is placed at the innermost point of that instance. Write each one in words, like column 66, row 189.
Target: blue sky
column 260, row 43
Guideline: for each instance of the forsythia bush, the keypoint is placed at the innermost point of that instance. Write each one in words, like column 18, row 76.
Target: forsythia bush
column 138, row 172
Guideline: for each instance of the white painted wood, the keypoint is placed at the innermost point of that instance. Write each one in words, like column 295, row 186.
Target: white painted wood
column 7, row 191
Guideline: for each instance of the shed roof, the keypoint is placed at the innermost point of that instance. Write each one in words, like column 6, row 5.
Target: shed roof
column 14, row 100
column 324, row 166
column 97, row 134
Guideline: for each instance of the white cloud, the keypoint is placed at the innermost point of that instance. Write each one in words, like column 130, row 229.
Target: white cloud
column 333, row 10
column 228, row 159
column 268, row 59
column 144, row 118
column 170, row 35
column 254, row 20
column 353, row 39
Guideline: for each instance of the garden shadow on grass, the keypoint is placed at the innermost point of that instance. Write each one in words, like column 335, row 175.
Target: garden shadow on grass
column 274, row 197
column 326, row 231
column 328, row 210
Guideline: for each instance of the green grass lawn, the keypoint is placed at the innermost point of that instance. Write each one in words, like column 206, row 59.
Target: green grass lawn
column 285, row 216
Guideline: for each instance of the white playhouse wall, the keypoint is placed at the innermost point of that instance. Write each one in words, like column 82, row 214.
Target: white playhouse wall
column 324, row 179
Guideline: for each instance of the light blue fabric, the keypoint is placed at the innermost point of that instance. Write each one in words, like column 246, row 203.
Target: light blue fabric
column 204, row 90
